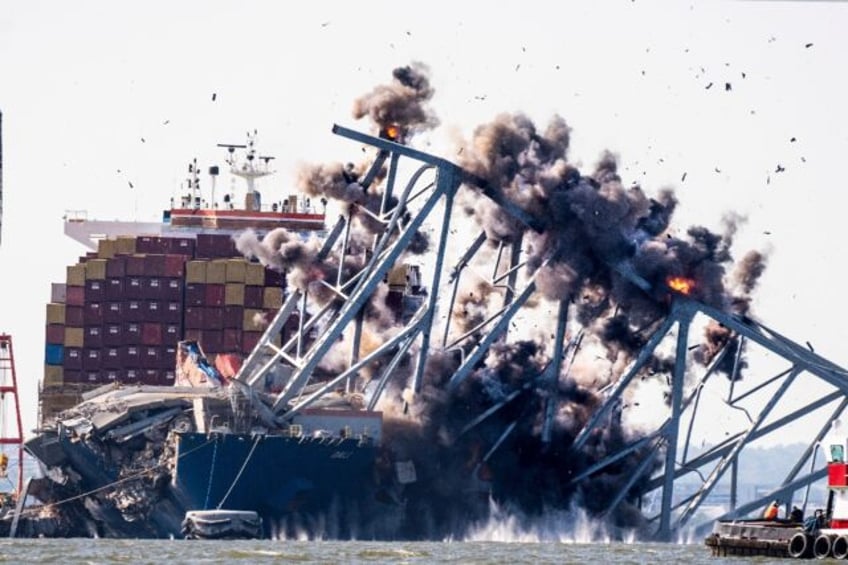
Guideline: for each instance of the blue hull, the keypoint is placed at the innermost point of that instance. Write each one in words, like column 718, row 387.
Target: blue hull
column 275, row 476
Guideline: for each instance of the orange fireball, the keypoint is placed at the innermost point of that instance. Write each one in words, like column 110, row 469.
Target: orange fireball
column 680, row 284
column 392, row 132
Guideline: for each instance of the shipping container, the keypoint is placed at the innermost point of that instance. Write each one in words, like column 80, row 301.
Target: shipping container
column 71, row 358
column 216, row 271
column 215, row 294
column 71, row 376
column 151, row 244
column 111, row 358
column 91, row 376
column 106, row 248
column 174, row 266
column 236, row 269
column 151, row 356
column 151, row 333
column 213, row 318
column 234, row 294
column 113, row 334
column 110, row 374
column 253, row 296
column 153, row 310
column 154, row 265
column 152, row 288
column 75, row 295
column 130, row 356
column 171, row 333
column 275, row 278
column 211, row 341
column 125, row 244
column 195, row 272
column 74, row 337
column 193, row 334
column 254, row 319
column 115, row 289
column 116, row 267
column 211, row 246
column 231, row 340
column 95, row 290
column 54, row 375
column 195, row 294
column 75, row 275
column 93, row 336
column 249, row 341
column 91, row 359
column 172, row 289
column 113, row 312
column 181, row 246
column 169, row 357
column 131, row 376
column 55, row 313
column 93, row 314
column 169, row 377
column 95, row 269
column 233, row 317
column 135, row 266
column 272, row 298
column 151, row 377
column 134, row 288
column 54, row 354
column 134, row 311
column 254, row 274
column 193, row 318
column 55, row 334
column 172, row 313
column 58, row 292
column 132, row 333
column 74, row 316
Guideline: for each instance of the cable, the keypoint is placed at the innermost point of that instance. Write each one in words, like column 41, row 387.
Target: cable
column 238, row 476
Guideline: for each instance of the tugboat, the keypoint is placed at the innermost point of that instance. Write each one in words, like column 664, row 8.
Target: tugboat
column 822, row 535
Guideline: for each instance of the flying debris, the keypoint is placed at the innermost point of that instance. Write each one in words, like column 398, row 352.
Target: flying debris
column 130, row 184
column 142, row 140
column 214, row 95
column 792, row 140
column 709, row 86
column 808, row 45
column 780, row 168
column 683, row 178
column 727, row 86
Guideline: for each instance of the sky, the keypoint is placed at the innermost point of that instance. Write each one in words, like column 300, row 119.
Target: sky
column 739, row 106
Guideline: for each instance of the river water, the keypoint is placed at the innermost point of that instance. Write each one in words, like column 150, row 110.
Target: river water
column 169, row 552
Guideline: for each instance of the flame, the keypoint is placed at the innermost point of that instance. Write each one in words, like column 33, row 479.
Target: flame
column 392, row 132
column 680, row 284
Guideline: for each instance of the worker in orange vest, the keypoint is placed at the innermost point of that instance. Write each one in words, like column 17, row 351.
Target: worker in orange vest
column 771, row 511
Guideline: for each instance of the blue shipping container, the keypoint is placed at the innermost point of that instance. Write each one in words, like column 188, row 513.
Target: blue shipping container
column 54, row 355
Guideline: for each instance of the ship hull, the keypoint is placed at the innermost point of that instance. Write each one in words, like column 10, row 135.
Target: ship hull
column 277, row 476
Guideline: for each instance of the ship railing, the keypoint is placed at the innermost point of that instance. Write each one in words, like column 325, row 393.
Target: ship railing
column 75, row 215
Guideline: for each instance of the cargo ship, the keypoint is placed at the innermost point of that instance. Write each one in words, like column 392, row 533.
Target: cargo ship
column 142, row 424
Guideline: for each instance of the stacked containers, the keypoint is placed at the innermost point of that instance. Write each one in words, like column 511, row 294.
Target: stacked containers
column 122, row 310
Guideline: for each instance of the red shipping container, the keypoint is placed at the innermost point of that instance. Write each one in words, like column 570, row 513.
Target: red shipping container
column 95, row 290
column 194, row 318
column 249, row 341
column 134, row 311
column 174, row 266
column 130, row 356
column 92, row 336
column 152, row 311
column 171, row 333
column 232, row 340
column 132, row 333
column 213, row 318
column 55, row 334
column 116, row 267
column 75, row 295
column 233, row 317
column 113, row 312
column 211, row 341
column 135, row 266
column 115, row 289
column 211, row 246
column 215, row 294
column 195, row 294
column 172, row 313
column 91, row 359
column 152, row 288
column 172, row 289
column 154, row 265
column 152, row 244
column 110, row 358
column 134, row 288
column 151, row 333
column 253, row 296
column 113, row 335
column 93, row 314
column 74, row 316
column 181, row 246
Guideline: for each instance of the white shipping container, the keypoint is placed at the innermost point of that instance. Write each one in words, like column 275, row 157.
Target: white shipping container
column 58, row 292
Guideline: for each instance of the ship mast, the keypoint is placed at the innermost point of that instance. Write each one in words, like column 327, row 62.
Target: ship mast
column 248, row 169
